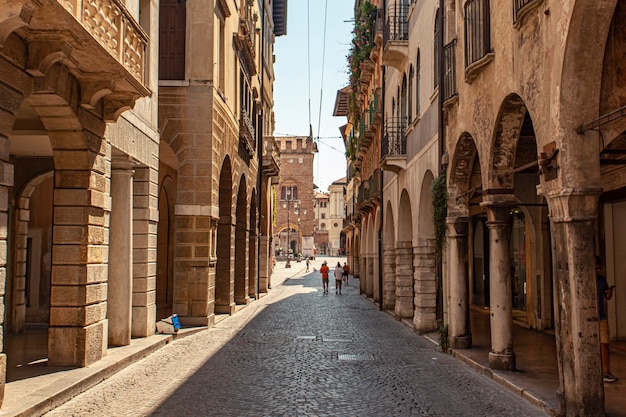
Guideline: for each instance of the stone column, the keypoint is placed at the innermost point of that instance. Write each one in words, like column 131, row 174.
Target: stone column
column 459, row 333
column 389, row 281
column 252, row 270
column 502, row 355
column 119, row 298
column 241, row 265
column 265, row 264
column 6, row 181
column 425, row 286
column 77, row 334
column 574, row 221
column 404, row 280
column 363, row 270
column 145, row 220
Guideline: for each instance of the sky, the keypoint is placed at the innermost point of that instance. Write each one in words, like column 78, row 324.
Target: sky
column 292, row 95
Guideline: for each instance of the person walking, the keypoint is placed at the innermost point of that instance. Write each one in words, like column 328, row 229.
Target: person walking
column 324, row 270
column 308, row 263
column 604, row 293
column 338, row 277
column 346, row 272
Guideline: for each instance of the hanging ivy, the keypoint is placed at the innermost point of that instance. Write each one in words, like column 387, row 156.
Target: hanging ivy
column 440, row 211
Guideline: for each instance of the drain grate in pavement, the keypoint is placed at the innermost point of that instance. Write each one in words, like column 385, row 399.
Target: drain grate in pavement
column 305, row 337
column 355, row 357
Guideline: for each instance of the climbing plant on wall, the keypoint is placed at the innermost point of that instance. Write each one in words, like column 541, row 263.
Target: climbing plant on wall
column 440, row 211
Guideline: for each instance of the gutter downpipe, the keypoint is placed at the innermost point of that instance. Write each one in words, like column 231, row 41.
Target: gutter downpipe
column 439, row 273
column 382, row 175
column 259, row 145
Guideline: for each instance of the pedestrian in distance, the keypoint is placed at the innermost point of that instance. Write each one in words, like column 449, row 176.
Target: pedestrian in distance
column 324, row 270
column 338, row 277
column 604, row 293
column 346, row 272
column 308, row 263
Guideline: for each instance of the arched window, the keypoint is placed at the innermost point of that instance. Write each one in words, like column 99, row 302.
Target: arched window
column 289, row 192
column 410, row 96
column 436, row 54
column 418, row 76
column 403, row 104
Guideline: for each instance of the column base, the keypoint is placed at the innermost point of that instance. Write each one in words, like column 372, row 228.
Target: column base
column 502, row 361
column 223, row 309
column 242, row 301
column 460, row 342
column 197, row 321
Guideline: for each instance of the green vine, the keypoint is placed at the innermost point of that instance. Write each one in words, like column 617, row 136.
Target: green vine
column 362, row 43
column 440, row 212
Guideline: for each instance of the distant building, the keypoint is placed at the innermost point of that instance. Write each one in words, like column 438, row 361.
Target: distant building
column 294, row 194
column 322, row 217
column 337, row 211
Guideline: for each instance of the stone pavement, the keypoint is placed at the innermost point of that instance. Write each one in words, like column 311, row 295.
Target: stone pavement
column 297, row 352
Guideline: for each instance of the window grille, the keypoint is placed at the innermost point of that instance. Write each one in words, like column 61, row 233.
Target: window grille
column 449, row 78
column 477, row 30
column 518, row 5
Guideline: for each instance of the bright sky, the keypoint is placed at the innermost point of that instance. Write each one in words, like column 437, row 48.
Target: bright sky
column 291, row 89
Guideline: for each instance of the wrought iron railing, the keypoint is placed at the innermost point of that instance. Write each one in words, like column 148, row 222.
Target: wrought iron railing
column 518, row 6
column 396, row 23
column 477, row 30
column 246, row 131
column 449, row 77
column 394, row 139
column 369, row 190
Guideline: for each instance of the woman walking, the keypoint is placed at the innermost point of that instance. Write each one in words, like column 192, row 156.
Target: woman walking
column 338, row 277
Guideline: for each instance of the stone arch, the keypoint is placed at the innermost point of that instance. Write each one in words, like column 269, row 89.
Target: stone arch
column 253, row 287
column 166, row 248
column 505, row 140
column 224, row 289
column 464, row 179
column 389, row 260
column 376, row 221
column 369, row 241
column 363, row 242
column 241, row 245
column 404, row 307
column 32, row 251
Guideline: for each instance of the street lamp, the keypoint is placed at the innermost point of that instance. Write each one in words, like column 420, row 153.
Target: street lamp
column 287, row 205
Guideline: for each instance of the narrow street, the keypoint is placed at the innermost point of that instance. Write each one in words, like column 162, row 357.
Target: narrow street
column 298, row 352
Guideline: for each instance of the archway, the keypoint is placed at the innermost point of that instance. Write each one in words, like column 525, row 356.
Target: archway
column 389, row 261
column 405, row 295
column 253, row 287
column 241, row 245
column 165, row 248
column 224, row 290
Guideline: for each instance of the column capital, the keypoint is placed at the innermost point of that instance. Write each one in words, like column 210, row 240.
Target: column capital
column 573, row 204
column 498, row 214
column 122, row 163
column 457, row 226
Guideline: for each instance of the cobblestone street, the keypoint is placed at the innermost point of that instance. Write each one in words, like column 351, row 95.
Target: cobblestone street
column 298, row 352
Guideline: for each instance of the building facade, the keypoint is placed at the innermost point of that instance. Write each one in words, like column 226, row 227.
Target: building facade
column 321, row 209
column 508, row 120
column 295, row 196
column 337, row 210
column 111, row 135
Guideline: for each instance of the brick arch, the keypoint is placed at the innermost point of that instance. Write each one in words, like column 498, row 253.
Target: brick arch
column 225, row 243
column 504, row 142
column 465, row 177
column 22, row 217
column 241, row 247
column 252, row 246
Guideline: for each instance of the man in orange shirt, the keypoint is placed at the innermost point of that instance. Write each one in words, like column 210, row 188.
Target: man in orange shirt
column 324, row 270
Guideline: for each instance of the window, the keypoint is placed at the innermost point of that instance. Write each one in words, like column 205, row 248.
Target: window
column 437, row 46
column 418, row 76
column 172, row 25
column 403, row 104
column 289, row 192
column 477, row 30
column 322, row 226
column 410, row 95
column 335, row 224
column 323, row 215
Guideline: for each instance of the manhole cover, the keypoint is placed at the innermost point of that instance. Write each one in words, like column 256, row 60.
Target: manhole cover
column 305, row 337
column 355, row 357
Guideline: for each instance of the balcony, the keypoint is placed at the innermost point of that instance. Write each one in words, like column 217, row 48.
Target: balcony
column 245, row 38
column 522, row 8
column 369, row 193
column 246, row 131
column 370, row 122
column 393, row 146
column 271, row 157
column 396, row 36
column 99, row 40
